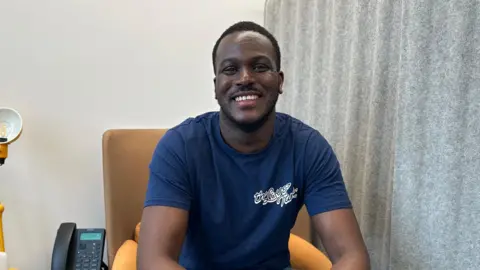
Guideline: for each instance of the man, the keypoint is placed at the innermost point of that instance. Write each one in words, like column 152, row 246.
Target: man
column 225, row 187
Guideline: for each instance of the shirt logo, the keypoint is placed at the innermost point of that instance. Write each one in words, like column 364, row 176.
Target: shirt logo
column 280, row 196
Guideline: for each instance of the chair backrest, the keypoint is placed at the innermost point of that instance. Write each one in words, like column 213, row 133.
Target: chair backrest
column 126, row 156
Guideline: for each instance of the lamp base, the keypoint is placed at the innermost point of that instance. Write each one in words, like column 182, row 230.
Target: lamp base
column 3, row 153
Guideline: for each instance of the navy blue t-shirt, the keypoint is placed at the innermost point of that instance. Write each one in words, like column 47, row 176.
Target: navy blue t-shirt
column 243, row 206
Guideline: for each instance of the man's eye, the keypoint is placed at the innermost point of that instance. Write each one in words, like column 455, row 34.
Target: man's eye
column 229, row 70
column 260, row 68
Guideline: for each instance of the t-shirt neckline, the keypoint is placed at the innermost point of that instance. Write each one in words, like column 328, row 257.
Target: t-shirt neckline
column 233, row 151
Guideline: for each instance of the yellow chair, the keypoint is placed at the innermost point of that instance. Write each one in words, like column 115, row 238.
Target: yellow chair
column 126, row 156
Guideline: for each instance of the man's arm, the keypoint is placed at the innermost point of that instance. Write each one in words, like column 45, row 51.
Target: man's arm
column 162, row 232
column 342, row 239
column 167, row 204
column 329, row 205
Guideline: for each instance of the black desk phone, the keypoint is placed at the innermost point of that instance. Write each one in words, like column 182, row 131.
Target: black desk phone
column 78, row 249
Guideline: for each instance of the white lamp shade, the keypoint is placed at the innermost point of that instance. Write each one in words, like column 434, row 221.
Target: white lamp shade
column 12, row 122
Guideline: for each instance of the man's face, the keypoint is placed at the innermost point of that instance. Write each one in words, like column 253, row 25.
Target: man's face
column 247, row 83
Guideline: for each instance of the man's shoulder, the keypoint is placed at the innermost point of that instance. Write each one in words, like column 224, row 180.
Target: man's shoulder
column 199, row 125
column 300, row 131
column 191, row 132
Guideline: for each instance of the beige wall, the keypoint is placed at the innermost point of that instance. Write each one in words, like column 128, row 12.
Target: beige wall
column 76, row 68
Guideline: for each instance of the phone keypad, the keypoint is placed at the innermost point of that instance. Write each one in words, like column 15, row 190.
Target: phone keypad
column 88, row 256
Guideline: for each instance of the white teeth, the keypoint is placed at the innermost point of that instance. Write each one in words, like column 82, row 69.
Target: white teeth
column 250, row 97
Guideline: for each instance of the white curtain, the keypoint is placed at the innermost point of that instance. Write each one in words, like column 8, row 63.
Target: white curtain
column 394, row 86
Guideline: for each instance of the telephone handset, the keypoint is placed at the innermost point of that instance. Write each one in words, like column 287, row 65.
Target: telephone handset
column 78, row 249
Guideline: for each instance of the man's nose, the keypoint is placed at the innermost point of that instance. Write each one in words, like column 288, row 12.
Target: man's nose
column 245, row 77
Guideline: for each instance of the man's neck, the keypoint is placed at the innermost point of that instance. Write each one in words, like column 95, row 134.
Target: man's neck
column 243, row 141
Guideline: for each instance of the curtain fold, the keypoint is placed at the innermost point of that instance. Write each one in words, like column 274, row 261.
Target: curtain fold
column 394, row 86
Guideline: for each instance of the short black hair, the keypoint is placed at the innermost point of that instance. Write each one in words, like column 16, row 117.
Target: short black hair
column 248, row 26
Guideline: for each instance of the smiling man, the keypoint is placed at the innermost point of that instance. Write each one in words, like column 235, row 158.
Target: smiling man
column 225, row 187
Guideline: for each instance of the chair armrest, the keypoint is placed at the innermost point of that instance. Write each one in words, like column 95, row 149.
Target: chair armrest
column 305, row 256
column 126, row 256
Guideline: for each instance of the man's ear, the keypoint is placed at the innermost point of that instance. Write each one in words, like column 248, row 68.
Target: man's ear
column 280, row 82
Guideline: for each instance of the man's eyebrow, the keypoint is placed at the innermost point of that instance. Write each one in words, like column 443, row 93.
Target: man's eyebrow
column 262, row 57
column 255, row 58
column 226, row 60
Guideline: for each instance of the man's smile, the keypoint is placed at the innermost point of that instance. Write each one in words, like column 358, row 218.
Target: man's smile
column 246, row 101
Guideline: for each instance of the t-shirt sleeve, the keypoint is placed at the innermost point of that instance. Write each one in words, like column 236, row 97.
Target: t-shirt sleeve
column 325, row 188
column 168, row 183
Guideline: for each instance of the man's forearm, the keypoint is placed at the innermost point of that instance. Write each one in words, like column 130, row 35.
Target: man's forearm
column 357, row 261
column 168, row 265
column 161, row 264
